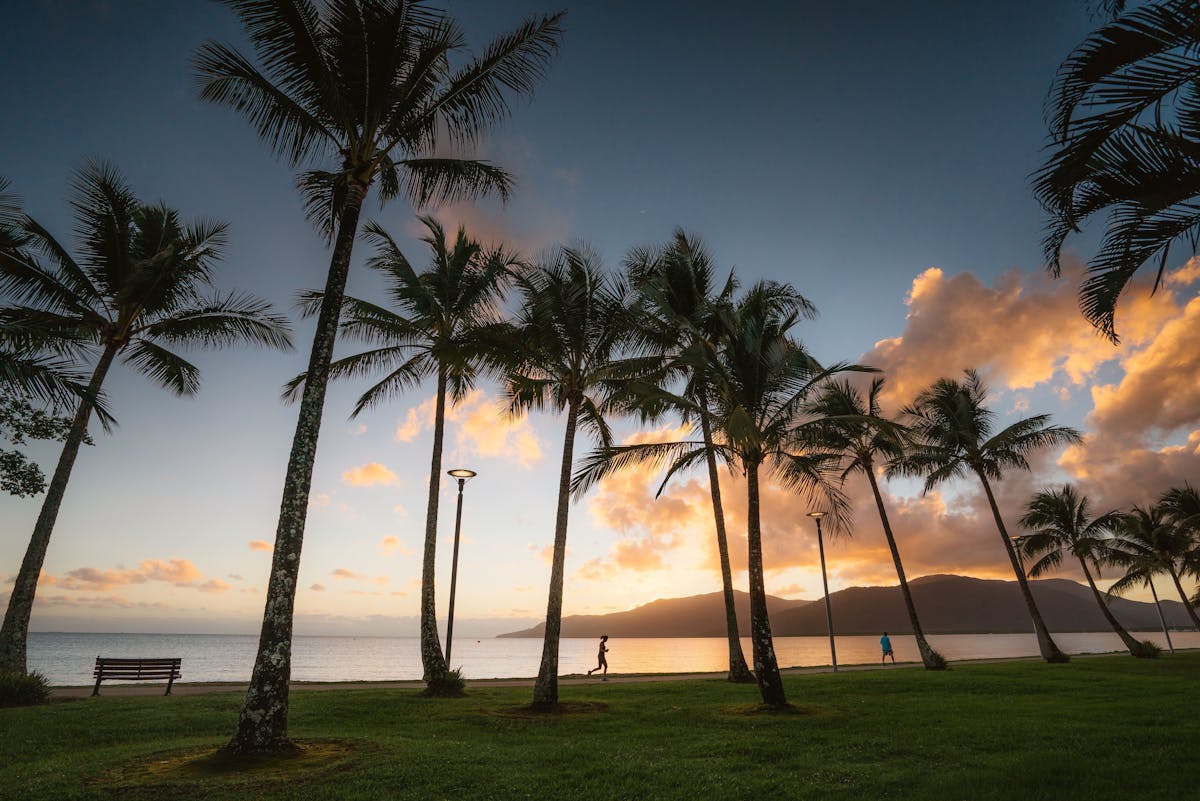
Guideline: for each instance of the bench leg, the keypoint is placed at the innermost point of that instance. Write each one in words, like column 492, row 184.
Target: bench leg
column 170, row 681
column 96, row 689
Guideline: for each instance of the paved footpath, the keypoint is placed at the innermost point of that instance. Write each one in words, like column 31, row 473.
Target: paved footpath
column 201, row 688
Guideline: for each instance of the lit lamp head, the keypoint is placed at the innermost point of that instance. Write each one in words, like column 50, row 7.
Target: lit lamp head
column 816, row 515
column 461, row 473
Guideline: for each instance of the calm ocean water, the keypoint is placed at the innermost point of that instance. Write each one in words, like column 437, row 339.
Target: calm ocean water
column 69, row 658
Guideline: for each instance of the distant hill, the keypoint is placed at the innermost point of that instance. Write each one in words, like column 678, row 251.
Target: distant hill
column 946, row 605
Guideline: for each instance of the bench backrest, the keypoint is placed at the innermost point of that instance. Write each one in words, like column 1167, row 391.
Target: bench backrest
column 110, row 668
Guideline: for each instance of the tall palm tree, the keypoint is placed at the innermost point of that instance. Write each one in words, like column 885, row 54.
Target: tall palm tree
column 854, row 427
column 445, row 320
column 367, row 84
column 951, row 430
column 563, row 352
column 679, row 288
column 1061, row 526
column 1149, row 543
column 133, row 291
column 761, row 380
column 1124, row 117
column 1181, row 505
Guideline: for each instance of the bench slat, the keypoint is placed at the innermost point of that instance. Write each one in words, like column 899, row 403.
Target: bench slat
column 132, row 669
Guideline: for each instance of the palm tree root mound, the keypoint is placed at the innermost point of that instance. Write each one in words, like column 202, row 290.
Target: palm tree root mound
column 208, row 766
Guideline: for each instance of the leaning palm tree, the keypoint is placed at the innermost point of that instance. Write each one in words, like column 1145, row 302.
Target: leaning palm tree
column 368, row 85
column 1124, row 117
column 562, row 354
column 1061, row 526
column 853, row 426
column 133, row 291
column 761, row 379
column 1181, row 505
column 1147, row 544
column 679, row 290
column 951, row 431
column 443, row 325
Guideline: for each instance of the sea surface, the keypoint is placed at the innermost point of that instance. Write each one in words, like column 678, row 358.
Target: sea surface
column 68, row 659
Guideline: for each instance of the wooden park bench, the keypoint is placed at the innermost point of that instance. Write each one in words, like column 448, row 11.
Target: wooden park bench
column 136, row 670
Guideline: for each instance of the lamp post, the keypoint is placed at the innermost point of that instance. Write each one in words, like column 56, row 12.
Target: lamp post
column 825, row 583
column 462, row 474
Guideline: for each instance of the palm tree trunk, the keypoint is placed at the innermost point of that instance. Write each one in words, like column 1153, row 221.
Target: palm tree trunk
column 1183, row 597
column 929, row 658
column 739, row 671
column 1049, row 649
column 433, row 663
column 1161, row 617
column 1133, row 645
column 262, row 726
column 15, row 631
column 545, row 689
column 766, row 668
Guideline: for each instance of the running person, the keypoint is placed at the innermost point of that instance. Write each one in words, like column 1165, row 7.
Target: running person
column 601, row 661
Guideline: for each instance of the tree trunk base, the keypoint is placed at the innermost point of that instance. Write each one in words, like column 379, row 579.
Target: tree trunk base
column 236, row 749
column 1058, row 658
column 741, row 676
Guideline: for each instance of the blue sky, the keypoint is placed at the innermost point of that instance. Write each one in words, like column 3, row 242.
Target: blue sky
column 848, row 148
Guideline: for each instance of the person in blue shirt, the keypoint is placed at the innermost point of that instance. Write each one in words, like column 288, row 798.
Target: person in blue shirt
column 885, row 642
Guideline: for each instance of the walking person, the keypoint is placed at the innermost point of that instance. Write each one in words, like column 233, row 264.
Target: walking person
column 885, row 642
column 601, row 661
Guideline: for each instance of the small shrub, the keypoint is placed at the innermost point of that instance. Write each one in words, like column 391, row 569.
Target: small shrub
column 1147, row 650
column 448, row 685
column 23, row 689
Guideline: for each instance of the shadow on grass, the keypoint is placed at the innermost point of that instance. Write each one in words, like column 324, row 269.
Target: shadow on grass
column 753, row 710
column 204, row 764
column 559, row 710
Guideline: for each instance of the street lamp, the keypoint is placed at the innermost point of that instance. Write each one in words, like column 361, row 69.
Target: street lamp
column 828, row 611
column 462, row 474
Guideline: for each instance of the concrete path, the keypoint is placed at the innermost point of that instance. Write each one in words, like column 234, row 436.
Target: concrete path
column 201, row 688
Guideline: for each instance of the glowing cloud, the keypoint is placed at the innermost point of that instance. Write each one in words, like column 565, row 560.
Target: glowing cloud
column 369, row 475
column 260, row 545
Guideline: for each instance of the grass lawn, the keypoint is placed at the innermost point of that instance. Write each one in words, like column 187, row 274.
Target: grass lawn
column 1110, row 727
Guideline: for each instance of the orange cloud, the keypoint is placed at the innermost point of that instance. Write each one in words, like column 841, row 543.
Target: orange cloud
column 260, row 545
column 343, row 573
column 391, row 543
column 216, row 585
column 479, row 426
column 369, row 475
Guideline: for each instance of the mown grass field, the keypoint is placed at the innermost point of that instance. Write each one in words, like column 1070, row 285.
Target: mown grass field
column 1110, row 727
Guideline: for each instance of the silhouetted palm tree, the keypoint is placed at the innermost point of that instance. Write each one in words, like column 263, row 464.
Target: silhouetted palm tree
column 1124, row 116
column 563, row 351
column 1061, row 525
column 951, row 431
column 1148, row 543
column 854, row 427
column 679, row 288
column 761, row 379
column 132, row 292
column 1181, row 505
column 445, row 320
column 367, row 84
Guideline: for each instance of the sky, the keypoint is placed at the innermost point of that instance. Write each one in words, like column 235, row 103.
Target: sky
column 876, row 155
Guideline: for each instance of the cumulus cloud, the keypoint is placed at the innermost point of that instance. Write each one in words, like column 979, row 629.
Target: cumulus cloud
column 259, row 545
column 342, row 573
column 214, row 585
column 391, row 544
column 317, row 587
column 180, row 572
column 479, row 426
column 369, row 475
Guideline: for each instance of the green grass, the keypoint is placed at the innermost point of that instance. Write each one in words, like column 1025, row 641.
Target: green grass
column 1110, row 727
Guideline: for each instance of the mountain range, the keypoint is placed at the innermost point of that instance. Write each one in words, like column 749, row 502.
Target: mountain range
column 946, row 605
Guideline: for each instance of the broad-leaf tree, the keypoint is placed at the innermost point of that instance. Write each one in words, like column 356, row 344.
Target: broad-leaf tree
column 951, row 430
column 853, row 425
column 131, row 290
column 441, row 324
column 362, row 93
column 564, row 349
column 1061, row 525
column 1124, row 117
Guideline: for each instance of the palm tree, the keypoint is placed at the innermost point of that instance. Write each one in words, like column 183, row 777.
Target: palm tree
column 952, row 435
column 1124, row 117
column 1181, row 505
column 1148, row 543
column 855, row 428
column 563, row 355
column 761, row 379
column 1061, row 526
column 445, row 320
column 132, row 292
column 367, row 83
column 678, row 285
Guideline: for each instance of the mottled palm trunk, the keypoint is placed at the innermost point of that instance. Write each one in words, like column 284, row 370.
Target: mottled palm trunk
column 262, row 725
column 1046, row 645
column 432, row 661
column 1133, row 645
column 15, row 631
column 545, row 689
column 929, row 658
column 766, row 668
column 1162, row 619
column 739, row 671
column 1183, row 597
